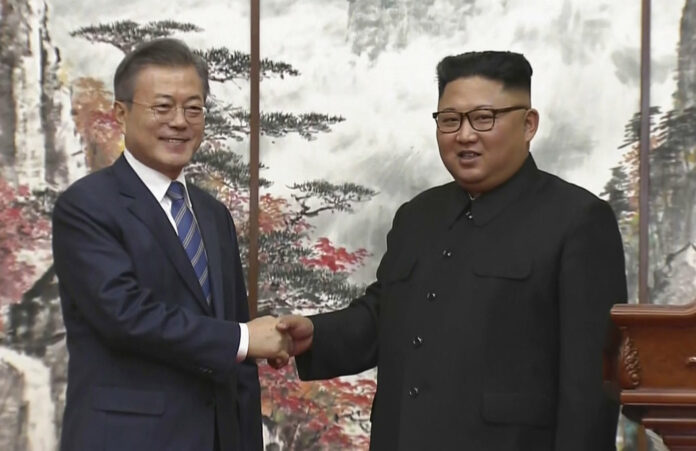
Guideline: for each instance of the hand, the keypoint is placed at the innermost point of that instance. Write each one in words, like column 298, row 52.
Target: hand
column 301, row 330
column 267, row 341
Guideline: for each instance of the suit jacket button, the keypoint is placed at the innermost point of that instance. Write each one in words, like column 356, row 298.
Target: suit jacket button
column 417, row 341
column 431, row 296
column 414, row 392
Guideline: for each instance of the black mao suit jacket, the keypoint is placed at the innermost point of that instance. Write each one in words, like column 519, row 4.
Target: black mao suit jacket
column 487, row 321
column 151, row 365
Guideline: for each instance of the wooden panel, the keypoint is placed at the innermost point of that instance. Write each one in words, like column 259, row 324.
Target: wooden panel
column 666, row 356
column 650, row 361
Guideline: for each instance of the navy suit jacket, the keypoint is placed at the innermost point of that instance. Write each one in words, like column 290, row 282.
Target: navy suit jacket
column 151, row 365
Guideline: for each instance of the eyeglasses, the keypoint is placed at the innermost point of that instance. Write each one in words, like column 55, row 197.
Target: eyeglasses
column 480, row 119
column 166, row 112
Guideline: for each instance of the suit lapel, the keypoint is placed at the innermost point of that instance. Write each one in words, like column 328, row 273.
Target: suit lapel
column 148, row 210
column 211, row 238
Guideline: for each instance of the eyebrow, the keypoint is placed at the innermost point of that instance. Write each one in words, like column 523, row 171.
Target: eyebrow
column 169, row 97
column 478, row 107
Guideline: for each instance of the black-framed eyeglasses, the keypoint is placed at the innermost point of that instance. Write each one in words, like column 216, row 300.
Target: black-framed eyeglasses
column 166, row 112
column 480, row 119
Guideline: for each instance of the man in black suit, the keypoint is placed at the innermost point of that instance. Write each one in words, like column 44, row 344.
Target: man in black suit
column 151, row 284
column 488, row 316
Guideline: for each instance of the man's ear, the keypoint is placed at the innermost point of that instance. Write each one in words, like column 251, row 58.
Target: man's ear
column 531, row 124
column 120, row 114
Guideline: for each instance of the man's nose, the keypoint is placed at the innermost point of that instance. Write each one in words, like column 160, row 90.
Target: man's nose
column 466, row 132
column 179, row 118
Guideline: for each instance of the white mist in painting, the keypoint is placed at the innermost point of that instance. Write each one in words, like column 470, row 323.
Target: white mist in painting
column 373, row 62
column 40, row 433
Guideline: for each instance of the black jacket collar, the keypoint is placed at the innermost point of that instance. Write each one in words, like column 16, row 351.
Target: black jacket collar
column 488, row 205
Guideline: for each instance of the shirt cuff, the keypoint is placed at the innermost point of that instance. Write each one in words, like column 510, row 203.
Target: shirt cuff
column 243, row 342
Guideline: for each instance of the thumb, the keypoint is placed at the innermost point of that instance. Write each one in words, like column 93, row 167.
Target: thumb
column 282, row 326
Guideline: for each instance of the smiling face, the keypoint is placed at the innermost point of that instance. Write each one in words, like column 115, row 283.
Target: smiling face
column 481, row 161
column 164, row 146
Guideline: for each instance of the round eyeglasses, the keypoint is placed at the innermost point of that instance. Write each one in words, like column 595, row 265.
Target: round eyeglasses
column 480, row 119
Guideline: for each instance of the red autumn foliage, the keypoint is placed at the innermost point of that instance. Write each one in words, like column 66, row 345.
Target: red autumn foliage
column 316, row 415
column 95, row 122
column 237, row 202
column 335, row 259
column 273, row 213
column 22, row 229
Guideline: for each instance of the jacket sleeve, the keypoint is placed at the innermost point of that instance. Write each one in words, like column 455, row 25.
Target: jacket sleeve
column 591, row 279
column 346, row 341
column 97, row 277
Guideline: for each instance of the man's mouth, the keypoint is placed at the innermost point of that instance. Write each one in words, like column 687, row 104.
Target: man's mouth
column 468, row 154
column 174, row 140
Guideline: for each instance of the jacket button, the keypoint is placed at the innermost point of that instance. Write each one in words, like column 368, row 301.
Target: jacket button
column 414, row 392
column 447, row 253
column 431, row 296
column 417, row 341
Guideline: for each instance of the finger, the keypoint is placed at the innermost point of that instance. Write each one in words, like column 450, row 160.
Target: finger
column 301, row 346
column 286, row 342
column 289, row 346
column 277, row 362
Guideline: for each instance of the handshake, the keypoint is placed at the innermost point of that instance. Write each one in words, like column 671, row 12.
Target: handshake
column 278, row 339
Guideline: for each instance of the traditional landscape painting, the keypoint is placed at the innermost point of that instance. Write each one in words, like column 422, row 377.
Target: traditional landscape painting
column 346, row 137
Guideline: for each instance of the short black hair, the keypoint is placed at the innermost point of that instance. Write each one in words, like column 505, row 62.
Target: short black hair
column 510, row 68
column 165, row 52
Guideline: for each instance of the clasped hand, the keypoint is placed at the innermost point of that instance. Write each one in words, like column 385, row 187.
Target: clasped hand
column 278, row 339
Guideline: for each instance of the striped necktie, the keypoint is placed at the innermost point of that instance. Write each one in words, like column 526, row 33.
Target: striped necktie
column 190, row 236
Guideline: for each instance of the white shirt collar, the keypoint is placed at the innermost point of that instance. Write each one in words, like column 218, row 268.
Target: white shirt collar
column 156, row 182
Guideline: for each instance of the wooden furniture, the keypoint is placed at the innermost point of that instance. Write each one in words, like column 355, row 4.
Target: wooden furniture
column 650, row 364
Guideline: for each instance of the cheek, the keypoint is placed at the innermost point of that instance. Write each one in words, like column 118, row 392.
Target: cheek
column 496, row 144
column 143, row 132
column 444, row 143
column 135, row 133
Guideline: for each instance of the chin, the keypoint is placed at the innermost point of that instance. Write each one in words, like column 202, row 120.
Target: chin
column 177, row 157
column 469, row 178
column 470, row 183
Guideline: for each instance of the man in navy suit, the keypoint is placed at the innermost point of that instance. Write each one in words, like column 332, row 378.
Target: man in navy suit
column 151, row 284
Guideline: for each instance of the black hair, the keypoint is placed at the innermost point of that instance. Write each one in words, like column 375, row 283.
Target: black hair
column 512, row 69
column 165, row 52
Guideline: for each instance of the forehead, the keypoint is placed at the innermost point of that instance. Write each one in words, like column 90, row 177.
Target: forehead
column 175, row 81
column 472, row 92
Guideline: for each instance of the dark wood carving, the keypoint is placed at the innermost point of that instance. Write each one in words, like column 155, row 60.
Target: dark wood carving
column 650, row 365
column 630, row 374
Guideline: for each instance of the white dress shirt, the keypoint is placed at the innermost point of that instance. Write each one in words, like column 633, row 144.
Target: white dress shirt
column 158, row 184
